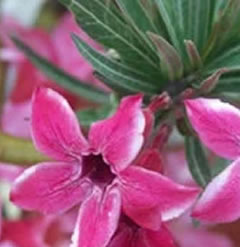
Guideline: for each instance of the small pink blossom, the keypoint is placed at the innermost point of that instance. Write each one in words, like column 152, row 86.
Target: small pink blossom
column 96, row 171
column 218, row 126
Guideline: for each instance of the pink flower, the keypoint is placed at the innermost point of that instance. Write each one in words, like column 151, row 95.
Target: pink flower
column 218, row 126
column 96, row 171
column 131, row 235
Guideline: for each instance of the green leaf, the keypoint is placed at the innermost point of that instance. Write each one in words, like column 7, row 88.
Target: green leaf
column 112, row 84
column 123, row 76
column 197, row 161
column 197, row 22
column 171, row 63
column 219, row 165
column 170, row 13
column 187, row 19
column 229, row 58
column 140, row 18
column 229, row 83
column 61, row 77
column 229, row 22
column 226, row 28
column 88, row 116
column 104, row 26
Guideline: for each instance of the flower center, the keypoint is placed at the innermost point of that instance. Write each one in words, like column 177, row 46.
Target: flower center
column 97, row 170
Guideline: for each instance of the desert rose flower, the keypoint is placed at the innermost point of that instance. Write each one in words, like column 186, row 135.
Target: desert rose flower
column 96, row 171
column 218, row 126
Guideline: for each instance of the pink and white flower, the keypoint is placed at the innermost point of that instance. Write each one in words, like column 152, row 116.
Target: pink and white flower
column 96, row 171
column 218, row 126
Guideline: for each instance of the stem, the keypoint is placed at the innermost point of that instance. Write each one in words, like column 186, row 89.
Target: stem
column 18, row 151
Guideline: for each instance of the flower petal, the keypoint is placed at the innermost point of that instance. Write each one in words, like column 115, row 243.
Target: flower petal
column 220, row 202
column 55, row 128
column 217, row 124
column 144, row 190
column 120, row 137
column 50, row 187
column 98, row 218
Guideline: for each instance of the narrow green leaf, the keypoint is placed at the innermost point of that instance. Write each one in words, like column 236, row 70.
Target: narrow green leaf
column 229, row 83
column 229, row 21
column 188, row 19
column 219, row 165
column 118, row 73
column 197, row 17
column 113, row 85
column 150, row 7
column 168, row 10
column 169, row 58
column 140, row 17
column 197, row 161
column 61, row 77
column 103, row 25
column 229, row 58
